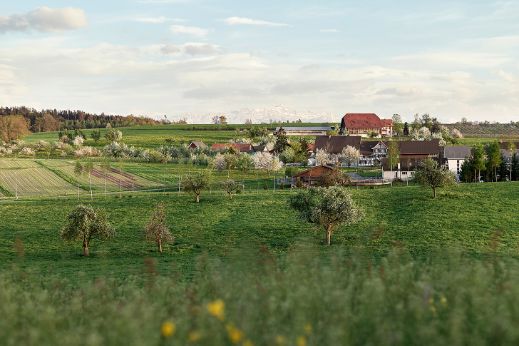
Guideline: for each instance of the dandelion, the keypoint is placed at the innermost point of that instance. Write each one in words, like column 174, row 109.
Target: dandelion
column 281, row 340
column 235, row 335
column 217, row 309
column 301, row 341
column 168, row 329
column 194, row 336
column 308, row 329
column 443, row 300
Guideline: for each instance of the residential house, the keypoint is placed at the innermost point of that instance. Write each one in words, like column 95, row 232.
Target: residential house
column 371, row 153
column 312, row 176
column 366, row 124
column 412, row 153
column 455, row 156
column 335, row 144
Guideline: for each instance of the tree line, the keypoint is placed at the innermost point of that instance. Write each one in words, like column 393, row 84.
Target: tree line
column 53, row 120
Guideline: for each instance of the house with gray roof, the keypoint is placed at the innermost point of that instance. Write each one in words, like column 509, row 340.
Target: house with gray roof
column 455, row 156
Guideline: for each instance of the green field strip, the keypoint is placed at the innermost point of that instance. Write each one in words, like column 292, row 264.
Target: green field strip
column 69, row 179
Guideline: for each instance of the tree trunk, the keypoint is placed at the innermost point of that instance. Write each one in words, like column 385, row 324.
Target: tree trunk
column 434, row 192
column 328, row 239
column 159, row 244
column 197, row 198
column 86, row 252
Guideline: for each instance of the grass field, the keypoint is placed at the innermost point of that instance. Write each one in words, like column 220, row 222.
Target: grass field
column 472, row 218
column 415, row 270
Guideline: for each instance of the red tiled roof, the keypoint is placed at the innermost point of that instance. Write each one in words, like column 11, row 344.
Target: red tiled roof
column 387, row 122
column 362, row 121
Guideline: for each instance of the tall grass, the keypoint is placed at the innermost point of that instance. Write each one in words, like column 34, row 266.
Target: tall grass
column 306, row 296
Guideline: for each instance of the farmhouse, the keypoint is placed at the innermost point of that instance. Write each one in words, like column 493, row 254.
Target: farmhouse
column 335, row 144
column 366, row 124
column 412, row 153
column 306, row 131
column 371, row 153
column 455, row 156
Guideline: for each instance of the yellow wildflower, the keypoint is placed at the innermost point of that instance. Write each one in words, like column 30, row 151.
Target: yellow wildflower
column 235, row 335
column 431, row 301
column 217, row 309
column 281, row 340
column 301, row 341
column 168, row 329
column 443, row 300
column 194, row 336
column 308, row 329
column 248, row 343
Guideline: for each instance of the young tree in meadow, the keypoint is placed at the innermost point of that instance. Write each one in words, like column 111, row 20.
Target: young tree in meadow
column 113, row 135
column 85, row 223
column 430, row 174
column 328, row 208
column 393, row 154
column 478, row 161
column 196, row 183
column 493, row 159
column 511, row 151
column 96, row 135
column 157, row 230
column 232, row 187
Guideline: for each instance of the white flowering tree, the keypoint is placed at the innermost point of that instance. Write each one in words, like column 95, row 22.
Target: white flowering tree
column 322, row 157
column 350, row 155
column 266, row 161
column 422, row 134
column 78, row 141
column 455, row 133
column 219, row 162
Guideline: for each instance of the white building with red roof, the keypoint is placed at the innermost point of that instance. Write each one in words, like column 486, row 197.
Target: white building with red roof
column 366, row 124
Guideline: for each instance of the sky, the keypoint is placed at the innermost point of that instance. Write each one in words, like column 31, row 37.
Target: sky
column 269, row 59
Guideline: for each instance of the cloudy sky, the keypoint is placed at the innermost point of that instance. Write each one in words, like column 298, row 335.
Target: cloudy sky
column 315, row 59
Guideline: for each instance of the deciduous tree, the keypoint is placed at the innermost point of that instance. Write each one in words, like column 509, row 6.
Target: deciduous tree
column 157, row 230
column 430, row 174
column 196, row 183
column 328, row 208
column 85, row 223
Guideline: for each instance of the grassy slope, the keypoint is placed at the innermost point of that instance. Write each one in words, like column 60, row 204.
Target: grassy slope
column 466, row 218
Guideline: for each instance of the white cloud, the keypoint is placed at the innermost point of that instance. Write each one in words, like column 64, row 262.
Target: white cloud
column 189, row 30
column 250, row 21
column 192, row 49
column 45, row 19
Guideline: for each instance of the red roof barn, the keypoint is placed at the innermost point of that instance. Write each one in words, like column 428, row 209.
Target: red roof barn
column 365, row 124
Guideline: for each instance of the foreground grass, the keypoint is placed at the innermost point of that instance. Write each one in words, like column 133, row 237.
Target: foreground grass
column 303, row 298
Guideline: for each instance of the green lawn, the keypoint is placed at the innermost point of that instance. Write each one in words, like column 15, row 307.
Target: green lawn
column 470, row 218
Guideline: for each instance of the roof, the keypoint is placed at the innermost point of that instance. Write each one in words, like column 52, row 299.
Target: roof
column 408, row 163
column 314, row 172
column 457, row 152
column 198, row 144
column 314, row 128
column 361, row 121
column 366, row 148
column 335, row 144
column 387, row 122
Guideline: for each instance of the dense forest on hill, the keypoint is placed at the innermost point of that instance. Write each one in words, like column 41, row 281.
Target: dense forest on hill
column 53, row 120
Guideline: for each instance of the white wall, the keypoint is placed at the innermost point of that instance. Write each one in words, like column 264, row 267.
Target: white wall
column 454, row 165
column 402, row 175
